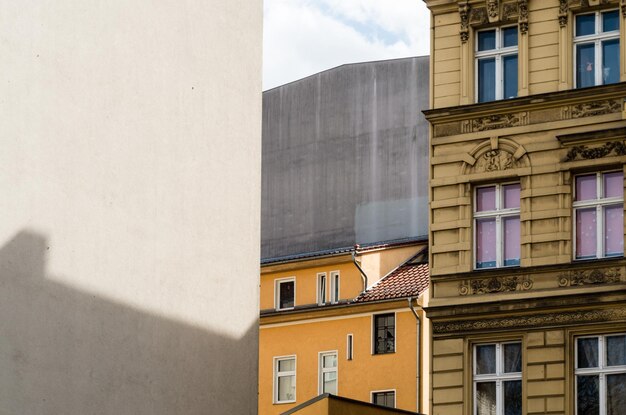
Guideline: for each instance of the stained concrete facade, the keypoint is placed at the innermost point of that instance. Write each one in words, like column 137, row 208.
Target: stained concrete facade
column 345, row 158
column 129, row 237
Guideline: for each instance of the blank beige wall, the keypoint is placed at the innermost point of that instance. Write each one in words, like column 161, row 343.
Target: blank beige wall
column 130, row 181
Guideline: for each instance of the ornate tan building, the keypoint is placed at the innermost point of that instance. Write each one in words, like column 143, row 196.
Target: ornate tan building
column 527, row 156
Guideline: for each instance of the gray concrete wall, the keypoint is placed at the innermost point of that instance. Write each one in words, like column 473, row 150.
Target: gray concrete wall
column 130, row 182
column 345, row 158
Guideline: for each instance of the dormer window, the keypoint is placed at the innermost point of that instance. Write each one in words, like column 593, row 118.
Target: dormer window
column 496, row 63
column 596, row 48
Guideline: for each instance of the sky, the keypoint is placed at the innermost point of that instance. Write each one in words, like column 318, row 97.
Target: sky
column 303, row 37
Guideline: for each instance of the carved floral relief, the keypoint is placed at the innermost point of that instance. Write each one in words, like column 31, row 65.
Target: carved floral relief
column 494, row 285
column 595, row 276
column 614, row 148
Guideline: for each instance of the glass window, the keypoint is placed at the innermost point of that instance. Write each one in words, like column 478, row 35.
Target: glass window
column 285, row 379
column 328, row 373
column 350, row 347
column 321, row 288
column 599, row 215
column 601, row 375
column 596, row 48
column 384, row 398
column 285, row 294
column 334, row 287
column 498, row 379
column 497, row 226
column 496, row 64
column 384, row 333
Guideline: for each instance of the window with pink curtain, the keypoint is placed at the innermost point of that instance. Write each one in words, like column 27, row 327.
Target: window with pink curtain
column 599, row 215
column 497, row 226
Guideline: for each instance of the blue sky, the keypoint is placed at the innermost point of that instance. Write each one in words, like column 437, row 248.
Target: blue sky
column 303, row 37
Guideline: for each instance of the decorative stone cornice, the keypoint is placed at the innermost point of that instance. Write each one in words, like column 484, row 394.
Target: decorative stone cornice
column 586, row 277
column 527, row 321
column 495, row 285
column 614, row 148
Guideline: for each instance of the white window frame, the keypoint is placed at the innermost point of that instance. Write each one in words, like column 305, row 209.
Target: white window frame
column 350, row 346
column 599, row 203
column 277, row 283
column 499, row 377
column 596, row 39
column 321, row 370
column 602, row 370
column 395, row 396
column 499, row 213
column 395, row 333
column 278, row 374
column 322, row 292
column 498, row 53
column 335, row 286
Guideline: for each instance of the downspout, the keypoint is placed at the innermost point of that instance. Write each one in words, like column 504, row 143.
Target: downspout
column 419, row 354
column 363, row 275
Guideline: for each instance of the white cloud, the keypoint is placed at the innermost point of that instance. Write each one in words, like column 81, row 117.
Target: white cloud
column 303, row 37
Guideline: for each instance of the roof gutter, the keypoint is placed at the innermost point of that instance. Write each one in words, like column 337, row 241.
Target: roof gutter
column 363, row 274
column 419, row 354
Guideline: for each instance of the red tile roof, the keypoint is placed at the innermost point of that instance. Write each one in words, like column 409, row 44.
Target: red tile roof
column 408, row 280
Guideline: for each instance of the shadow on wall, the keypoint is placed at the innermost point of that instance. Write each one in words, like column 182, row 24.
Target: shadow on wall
column 64, row 351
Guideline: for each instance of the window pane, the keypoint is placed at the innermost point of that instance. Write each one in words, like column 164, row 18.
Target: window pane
column 586, row 233
column 286, row 294
column 486, row 80
column 512, row 358
column 513, row 397
column 509, row 36
column 385, row 399
column 322, row 293
column 610, row 61
column 587, row 352
column 587, row 396
column 616, row 394
column 485, row 243
column 610, row 21
column 616, row 351
column 614, row 230
column 485, row 199
column 487, row 40
column 585, row 71
column 511, row 240
column 486, row 398
column 510, row 76
column 586, row 187
column 585, row 24
column 330, row 383
column 613, row 184
column 511, row 195
column 330, row 361
column 286, row 388
column 286, row 365
column 486, row 359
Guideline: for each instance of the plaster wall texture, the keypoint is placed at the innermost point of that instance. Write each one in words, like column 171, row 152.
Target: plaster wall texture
column 131, row 197
column 345, row 158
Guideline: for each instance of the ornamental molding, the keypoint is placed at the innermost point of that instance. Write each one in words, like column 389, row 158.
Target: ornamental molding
column 495, row 160
column 613, row 148
column 495, row 285
column 493, row 9
column 509, row 10
column 523, row 16
column 590, row 109
column 494, row 122
column 464, row 9
column 588, row 277
column 540, row 320
column 563, row 12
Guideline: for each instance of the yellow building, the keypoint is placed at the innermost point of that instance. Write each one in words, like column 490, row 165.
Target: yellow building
column 320, row 332
column 527, row 160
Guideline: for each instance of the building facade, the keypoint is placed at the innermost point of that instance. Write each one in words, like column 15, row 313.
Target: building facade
column 527, row 160
column 131, row 135
column 320, row 332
